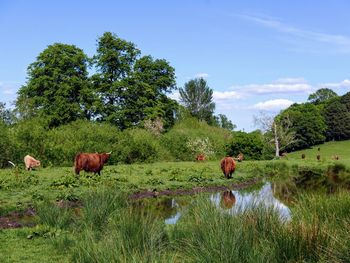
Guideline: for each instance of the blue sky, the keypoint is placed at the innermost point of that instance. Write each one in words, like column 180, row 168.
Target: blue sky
column 255, row 55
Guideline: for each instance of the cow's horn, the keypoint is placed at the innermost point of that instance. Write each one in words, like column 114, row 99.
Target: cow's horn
column 11, row 163
column 110, row 152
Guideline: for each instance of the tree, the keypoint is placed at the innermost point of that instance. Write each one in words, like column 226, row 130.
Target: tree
column 223, row 122
column 345, row 100
column 307, row 123
column 58, row 87
column 6, row 115
column 250, row 144
column 322, row 95
column 274, row 132
column 132, row 89
column 337, row 119
column 114, row 61
column 197, row 97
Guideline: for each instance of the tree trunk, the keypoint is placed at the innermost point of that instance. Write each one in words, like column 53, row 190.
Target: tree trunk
column 277, row 147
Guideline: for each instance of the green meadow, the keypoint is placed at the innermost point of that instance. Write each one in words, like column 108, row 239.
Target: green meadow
column 90, row 218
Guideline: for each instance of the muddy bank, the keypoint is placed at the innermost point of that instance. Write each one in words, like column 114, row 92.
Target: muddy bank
column 195, row 190
column 25, row 218
column 18, row 219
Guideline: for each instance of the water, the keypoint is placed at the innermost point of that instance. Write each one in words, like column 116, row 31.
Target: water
column 234, row 202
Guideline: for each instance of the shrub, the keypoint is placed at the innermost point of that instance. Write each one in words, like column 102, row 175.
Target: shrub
column 250, row 144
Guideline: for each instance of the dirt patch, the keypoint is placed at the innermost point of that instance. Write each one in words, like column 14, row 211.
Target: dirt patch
column 69, row 204
column 18, row 219
column 195, row 190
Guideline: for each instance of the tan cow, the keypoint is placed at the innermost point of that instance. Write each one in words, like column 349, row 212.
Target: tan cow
column 30, row 162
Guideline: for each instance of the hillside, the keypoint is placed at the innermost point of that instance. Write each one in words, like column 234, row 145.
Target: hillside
column 327, row 150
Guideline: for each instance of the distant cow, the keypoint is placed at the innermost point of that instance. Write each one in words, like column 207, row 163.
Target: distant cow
column 335, row 157
column 200, row 157
column 90, row 162
column 228, row 166
column 318, row 157
column 303, row 156
column 30, row 162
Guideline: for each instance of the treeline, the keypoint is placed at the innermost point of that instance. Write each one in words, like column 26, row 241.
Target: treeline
column 325, row 117
column 58, row 146
column 117, row 100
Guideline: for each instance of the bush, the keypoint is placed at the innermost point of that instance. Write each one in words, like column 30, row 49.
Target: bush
column 190, row 129
column 139, row 145
column 250, row 144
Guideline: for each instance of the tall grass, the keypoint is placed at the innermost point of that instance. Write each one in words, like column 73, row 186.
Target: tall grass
column 258, row 235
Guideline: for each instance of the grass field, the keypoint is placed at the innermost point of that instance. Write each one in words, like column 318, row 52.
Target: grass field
column 106, row 229
column 327, row 151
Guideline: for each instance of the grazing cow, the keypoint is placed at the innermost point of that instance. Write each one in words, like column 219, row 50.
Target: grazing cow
column 200, row 157
column 303, row 156
column 335, row 157
column 90, row 162
column 318, row 157
column 228, row 166
column 228, row 199
column 30, row 162
column 240, row 157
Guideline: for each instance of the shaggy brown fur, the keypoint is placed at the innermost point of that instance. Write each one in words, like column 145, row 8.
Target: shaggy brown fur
column 90, row 162
column 228, row 166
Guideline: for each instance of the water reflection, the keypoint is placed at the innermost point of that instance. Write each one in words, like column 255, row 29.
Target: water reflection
column 263, row 197
column 228, row 200
column 234, row 202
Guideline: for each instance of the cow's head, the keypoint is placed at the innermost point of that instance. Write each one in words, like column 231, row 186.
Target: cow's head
column 105, row 157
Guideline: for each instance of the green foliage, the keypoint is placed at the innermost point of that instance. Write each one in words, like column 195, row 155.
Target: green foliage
column 190, row 129
column 6, row 147
column 322, row 95
column 250, row 144
column 223, row 122
column 6, row 115
column 200, row 146
column 139, row 145
column 306, row 121
column 66, row 141
column 58, row 87
column 337, row 119
column 132, row 89
column 197, row 97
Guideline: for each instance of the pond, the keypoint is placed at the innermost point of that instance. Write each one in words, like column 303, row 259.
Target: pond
column 230, row 201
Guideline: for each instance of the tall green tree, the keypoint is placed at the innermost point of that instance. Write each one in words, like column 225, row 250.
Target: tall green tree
column 337, row 119
column 58, row 87
column 197, row 97
column 132, row 89
column 322, row 95
column 345, row 100
column 114, row 61
column 306, row 122
column 6, row 115
column 224, row 122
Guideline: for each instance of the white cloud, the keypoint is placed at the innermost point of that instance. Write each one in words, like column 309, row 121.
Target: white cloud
column 343, row 84
column 8, row 91
column 340, row 42
column 226, row 95
column 175, row 95
column 280, row 86
column 202, row 75
column 273, row 105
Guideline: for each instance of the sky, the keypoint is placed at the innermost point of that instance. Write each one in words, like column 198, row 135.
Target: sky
column 255, row 55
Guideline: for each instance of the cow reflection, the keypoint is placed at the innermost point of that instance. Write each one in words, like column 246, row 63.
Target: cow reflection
column 228, row 199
